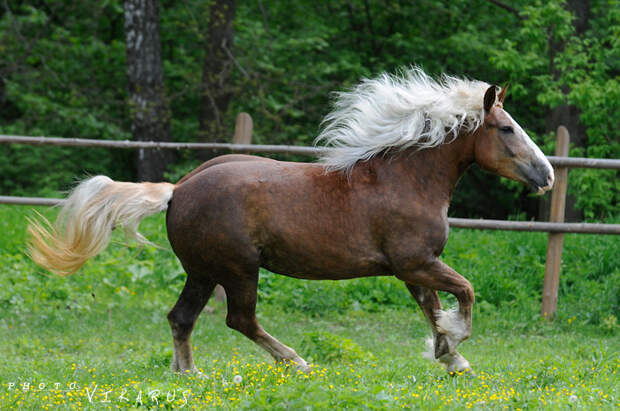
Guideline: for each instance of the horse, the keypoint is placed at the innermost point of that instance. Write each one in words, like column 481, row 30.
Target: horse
column 376, row 204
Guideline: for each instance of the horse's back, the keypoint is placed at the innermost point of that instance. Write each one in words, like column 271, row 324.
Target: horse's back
column 227, row 158
column 228, row 194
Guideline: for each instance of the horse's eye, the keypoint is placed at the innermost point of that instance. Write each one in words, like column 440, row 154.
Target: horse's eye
column 507, row 129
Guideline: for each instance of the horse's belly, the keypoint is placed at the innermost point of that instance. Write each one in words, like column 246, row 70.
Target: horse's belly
column 313, row 265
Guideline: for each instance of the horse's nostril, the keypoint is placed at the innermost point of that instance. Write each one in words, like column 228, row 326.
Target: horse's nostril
column 549, row 185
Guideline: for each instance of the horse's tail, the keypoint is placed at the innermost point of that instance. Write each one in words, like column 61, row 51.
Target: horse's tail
column 88, row 216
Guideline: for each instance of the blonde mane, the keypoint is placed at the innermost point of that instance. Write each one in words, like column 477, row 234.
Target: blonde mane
column 395, row 112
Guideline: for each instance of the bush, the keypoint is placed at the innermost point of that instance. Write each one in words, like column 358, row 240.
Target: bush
column 322, row 346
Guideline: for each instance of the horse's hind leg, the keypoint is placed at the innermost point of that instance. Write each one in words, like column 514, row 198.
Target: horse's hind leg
column 242, row 317
column 183, row 316
column 438, row 348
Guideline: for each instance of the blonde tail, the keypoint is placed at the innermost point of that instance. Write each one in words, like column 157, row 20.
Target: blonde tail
column 85, row 222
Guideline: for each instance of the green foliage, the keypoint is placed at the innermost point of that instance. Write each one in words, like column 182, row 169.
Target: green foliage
column 322, row 346
column 548, row 60
column 62, row 73
column 319, row 298
column 61, row 78
column 124, row 275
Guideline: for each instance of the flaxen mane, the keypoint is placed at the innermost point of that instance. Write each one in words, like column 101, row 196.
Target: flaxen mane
column 395, row 112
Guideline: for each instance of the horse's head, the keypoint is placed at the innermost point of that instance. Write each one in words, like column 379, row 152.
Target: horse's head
column 502, row 147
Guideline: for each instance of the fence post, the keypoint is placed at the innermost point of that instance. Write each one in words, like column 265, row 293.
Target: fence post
column 243, row 129
column 554, row 246
column 243, row 135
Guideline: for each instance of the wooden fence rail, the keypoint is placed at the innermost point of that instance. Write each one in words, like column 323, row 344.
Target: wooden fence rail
column 126, row 144
column 572, row 162
column 477, row 224
column 242, row 144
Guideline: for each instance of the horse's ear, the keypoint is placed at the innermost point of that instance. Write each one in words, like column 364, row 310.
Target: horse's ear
column 489, row 98
column 502, row 93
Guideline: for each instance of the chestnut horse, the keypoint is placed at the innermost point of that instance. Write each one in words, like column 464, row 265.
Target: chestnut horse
column 377, row 206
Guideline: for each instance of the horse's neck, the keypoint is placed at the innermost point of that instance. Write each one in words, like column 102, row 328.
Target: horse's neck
column 437, row 170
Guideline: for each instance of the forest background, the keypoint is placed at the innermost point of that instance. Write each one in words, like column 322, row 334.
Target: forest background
column 182, row 70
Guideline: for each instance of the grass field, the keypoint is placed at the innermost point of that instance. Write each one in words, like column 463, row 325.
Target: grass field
column 100, row 339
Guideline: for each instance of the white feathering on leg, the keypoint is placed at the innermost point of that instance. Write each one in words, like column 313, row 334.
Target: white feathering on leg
column 452, row 362
column 429, row 354
column 451, row 323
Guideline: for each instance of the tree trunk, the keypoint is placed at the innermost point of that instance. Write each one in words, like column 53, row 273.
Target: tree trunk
column 215, row 90
column 147, row 100
column 565, row 114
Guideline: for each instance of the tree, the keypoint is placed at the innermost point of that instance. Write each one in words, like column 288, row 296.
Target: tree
column 563, row 58
column 216, row 90
column 147, row 100
column 566, row 114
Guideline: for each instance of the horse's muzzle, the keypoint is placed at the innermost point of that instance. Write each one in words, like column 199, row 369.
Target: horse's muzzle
column 538, row 176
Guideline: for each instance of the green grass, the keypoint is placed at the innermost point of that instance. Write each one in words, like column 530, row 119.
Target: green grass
column 105, row 330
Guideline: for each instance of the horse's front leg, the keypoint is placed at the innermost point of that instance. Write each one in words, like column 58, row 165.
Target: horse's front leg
column 450, row 327
column 429, row 302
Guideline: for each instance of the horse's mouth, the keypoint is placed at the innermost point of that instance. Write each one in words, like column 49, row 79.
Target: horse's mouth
column 537, row 188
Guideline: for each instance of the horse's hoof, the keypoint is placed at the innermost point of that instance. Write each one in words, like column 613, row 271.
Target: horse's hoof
column 467, row 372
column 304, row 368
column 175, row 368
column 298, row 363
column 455, row 364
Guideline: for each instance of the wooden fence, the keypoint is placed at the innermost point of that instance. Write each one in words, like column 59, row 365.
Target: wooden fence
column 242, row 144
